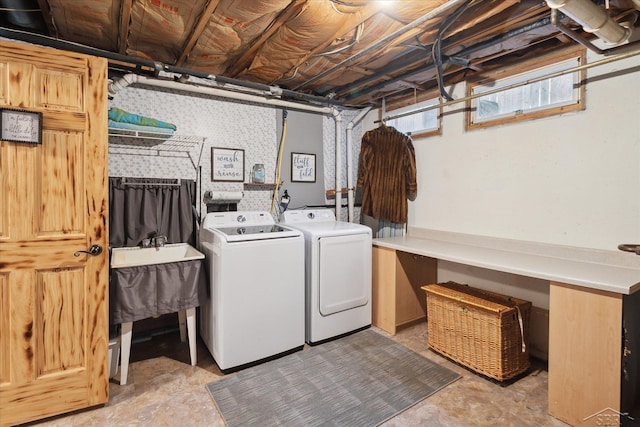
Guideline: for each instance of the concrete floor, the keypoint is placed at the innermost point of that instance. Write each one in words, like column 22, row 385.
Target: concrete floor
column 163, row 389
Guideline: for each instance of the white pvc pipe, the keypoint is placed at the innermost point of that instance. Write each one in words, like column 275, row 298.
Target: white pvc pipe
column 593, row 19
column 129, row 79
column 350, row 186
column 338, row 120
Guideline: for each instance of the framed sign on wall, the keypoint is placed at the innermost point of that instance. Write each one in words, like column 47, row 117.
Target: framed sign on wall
column 20, row 126
column 303, row 167
column 227, row 164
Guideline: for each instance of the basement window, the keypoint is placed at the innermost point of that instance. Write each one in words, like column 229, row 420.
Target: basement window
column 414, row 122
column 527, row 94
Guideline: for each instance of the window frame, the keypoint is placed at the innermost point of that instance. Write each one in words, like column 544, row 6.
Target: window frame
column 529, row 66
column 429, row 99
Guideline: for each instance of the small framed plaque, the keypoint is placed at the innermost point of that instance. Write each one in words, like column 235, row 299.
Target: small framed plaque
column 227, row 164
column 303, row 167
column 20, row 126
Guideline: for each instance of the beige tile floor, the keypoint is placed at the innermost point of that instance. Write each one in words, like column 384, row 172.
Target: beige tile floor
column 165, row 390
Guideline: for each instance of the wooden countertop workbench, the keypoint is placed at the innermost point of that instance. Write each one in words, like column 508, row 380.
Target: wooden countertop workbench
column 592, row 306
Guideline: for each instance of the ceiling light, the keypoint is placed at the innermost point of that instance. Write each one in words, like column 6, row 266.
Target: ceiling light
column 385, row 4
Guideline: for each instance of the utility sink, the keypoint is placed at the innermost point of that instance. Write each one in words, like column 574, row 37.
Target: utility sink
column 136, row 256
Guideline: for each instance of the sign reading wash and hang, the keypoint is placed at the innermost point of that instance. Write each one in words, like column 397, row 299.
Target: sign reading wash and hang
column 227, row 164
column 20, row 126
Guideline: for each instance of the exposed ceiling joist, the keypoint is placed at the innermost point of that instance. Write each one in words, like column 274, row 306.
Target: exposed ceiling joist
column 348, row 52
column 197, row 31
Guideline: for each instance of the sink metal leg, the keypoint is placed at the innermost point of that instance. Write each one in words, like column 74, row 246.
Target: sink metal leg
column 182, row 322
column 187, row 319
column 125, row 342
column 191, row 330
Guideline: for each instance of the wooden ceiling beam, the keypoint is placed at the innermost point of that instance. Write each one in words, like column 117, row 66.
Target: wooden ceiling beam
column 376, row 90
column 370, row 10
column 456, row 74
column 245, row 60
column 470, row 18
column 366, row 11
column 475, row 15
column 462, row 32
column 125, row 19
column 48, row 18
column 205, row 16
column 524, row 12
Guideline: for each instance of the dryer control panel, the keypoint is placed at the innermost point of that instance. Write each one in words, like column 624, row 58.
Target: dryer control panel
column 307, row 215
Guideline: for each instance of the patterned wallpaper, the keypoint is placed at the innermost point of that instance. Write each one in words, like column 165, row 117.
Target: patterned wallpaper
column 204, row 122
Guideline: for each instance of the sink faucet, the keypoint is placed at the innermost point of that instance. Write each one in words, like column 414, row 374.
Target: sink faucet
column 159, row 241
column 154, row 240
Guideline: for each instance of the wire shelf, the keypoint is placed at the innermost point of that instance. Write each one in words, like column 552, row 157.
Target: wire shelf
column 141, row 143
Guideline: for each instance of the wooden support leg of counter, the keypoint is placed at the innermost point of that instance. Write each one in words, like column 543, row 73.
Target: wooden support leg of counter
column 585, row 345
column 397, row 297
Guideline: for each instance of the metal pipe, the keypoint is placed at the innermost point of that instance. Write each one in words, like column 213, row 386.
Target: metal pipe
column 350, row 186
column 514, row 85
column 424, row 18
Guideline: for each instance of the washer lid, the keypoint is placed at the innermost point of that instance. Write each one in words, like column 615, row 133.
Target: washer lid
column 256, row 232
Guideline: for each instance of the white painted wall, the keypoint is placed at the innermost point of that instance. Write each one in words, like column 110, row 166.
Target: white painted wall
column 572, row 179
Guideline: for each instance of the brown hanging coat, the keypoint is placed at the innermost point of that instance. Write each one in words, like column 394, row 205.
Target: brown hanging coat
column 387, row 174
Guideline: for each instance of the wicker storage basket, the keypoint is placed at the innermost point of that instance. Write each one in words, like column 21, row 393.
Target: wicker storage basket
column 484, row 331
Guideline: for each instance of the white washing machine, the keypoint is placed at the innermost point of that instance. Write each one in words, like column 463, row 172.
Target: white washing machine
column 338, row 273
column 254, row 309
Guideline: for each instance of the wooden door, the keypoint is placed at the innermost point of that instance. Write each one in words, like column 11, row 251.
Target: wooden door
column 53, row 202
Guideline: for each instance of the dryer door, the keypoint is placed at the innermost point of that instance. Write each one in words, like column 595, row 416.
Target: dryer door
column 345, row 272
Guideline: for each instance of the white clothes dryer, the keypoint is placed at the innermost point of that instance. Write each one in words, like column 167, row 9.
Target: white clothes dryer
column 254, row 309
column 337, row 273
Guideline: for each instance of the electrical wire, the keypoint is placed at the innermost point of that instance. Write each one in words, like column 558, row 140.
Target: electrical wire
column 356, row 40
column 279, row 167
column 436, row 53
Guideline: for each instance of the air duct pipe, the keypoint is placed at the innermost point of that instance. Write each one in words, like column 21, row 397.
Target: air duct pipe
column 593, row 19
column 350, row 185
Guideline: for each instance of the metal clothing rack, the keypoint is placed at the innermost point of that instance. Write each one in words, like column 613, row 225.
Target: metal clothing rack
column 151, row 181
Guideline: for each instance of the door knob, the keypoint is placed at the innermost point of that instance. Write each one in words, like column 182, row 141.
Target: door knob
column 94, row 250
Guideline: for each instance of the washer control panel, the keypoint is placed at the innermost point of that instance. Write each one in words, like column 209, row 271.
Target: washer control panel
column 231, row 219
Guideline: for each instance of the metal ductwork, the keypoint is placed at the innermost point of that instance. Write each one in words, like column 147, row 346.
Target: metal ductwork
column 593, row 19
